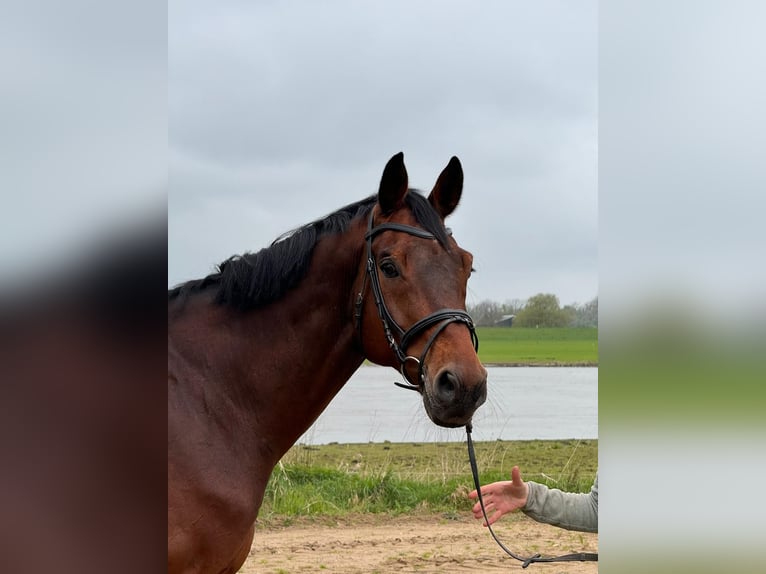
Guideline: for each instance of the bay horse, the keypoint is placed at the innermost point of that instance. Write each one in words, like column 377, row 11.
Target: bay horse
column 257, row 350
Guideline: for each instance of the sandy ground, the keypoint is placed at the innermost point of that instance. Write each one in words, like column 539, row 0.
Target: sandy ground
column 372, row 544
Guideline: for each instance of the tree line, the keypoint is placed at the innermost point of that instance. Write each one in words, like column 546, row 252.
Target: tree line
column 541, row 310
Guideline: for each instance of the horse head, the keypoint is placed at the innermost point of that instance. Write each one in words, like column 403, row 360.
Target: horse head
column 411, row 304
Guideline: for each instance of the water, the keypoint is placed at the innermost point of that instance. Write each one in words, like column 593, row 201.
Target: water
column 523, row 403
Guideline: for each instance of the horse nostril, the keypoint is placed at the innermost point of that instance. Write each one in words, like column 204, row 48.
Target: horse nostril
column 446, row 386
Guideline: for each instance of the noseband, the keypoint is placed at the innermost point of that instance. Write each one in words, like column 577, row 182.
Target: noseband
column 442, row 317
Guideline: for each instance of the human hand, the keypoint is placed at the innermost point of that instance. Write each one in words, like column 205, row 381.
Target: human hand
column 501, row 497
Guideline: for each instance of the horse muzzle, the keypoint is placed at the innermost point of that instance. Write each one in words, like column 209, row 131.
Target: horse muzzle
column 450, row 400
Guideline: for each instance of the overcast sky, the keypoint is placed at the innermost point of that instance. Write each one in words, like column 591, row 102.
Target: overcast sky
column 280, row 113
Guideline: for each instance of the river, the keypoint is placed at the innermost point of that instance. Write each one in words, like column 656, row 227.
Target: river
column 523, row 403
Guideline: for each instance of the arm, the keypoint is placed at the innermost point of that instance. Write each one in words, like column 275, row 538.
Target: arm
column 552, row 506
column 566, row 510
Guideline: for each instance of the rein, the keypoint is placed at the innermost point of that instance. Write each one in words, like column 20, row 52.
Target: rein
column 443, row 316
column 577, row 557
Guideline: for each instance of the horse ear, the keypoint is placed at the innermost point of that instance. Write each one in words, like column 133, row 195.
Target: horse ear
column 393, row 184
column 449, row 186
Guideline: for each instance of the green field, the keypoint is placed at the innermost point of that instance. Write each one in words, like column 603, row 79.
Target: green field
column 554, row 346
column 396, row 478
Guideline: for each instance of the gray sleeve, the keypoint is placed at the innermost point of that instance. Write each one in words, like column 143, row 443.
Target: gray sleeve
column 564, row 509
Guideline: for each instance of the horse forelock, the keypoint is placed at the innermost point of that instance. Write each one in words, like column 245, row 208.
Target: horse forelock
column 253, row 280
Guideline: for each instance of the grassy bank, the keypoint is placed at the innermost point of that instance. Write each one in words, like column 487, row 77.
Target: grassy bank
column 338, row 479
column 555, row 346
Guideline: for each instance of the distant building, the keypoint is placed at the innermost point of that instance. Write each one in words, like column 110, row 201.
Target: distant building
column 505, row 321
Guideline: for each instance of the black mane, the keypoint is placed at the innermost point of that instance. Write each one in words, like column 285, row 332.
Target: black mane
column 255, row 279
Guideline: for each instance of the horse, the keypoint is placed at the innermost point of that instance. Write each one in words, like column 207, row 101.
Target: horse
column 258, row 349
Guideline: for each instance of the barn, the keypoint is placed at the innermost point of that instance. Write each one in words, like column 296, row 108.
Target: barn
column 505, row 321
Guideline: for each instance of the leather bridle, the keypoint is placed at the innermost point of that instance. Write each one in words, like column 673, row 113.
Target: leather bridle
column 442, row 317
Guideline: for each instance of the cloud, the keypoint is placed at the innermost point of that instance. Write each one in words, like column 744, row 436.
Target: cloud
column 285, row 112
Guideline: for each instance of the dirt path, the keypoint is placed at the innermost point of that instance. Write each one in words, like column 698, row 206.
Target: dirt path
column 378, row 544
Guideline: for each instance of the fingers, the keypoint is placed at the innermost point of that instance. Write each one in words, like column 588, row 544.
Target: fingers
column 491, row 518
column 493, row 513
column 516, row 477
column 485, row 490
column 479, row 514
column 489, row 508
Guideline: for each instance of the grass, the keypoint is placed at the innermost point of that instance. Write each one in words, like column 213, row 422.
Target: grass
column 396, row 478
column 554, row 346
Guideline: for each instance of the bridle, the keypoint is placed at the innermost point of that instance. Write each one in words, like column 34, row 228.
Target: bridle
column 576, row 557
column 442, row 317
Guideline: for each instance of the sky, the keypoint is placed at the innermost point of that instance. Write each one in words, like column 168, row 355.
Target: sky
column 280, row 113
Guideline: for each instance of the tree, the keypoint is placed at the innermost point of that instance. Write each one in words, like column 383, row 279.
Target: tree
column 513, row 306
column 586, row 315
column 569, row 313
column 543, row 310
column 485, row 313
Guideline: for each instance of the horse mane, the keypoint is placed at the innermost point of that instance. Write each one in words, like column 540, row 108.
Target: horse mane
column 253, row 280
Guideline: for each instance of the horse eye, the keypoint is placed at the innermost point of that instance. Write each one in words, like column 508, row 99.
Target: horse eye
column 389, row 269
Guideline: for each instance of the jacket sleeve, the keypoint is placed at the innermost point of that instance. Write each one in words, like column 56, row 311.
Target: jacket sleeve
column 564, row 509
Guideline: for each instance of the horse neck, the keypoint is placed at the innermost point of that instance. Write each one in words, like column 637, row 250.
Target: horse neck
column 295, row 354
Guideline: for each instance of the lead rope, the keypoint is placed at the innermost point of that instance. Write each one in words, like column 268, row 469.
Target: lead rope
column 577, row 557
